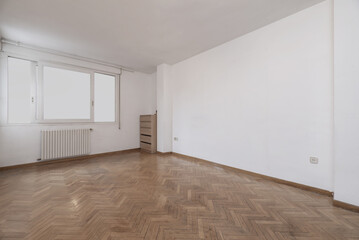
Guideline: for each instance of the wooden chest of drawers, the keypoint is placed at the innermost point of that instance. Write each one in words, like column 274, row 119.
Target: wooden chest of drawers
column 148, row 133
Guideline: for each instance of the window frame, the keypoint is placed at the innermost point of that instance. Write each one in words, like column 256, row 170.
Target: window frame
column 37, row 80
column 40, row 91
column 117, row 97
column 32, row 90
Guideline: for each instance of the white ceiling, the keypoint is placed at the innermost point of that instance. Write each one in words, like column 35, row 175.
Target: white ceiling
column 139, row 34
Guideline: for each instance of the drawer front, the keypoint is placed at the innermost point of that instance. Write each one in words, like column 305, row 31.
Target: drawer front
column 147, row 131
column 145, row 146
column 145, row 118
column 146, row 139
column 145, row 124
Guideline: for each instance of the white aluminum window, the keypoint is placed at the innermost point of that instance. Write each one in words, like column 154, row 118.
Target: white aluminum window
column 50, row 93
column 105, row 98
column 66, row 94
column 20, row 81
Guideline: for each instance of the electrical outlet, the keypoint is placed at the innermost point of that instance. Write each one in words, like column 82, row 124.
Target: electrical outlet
column 175, row 138
column 314, row 160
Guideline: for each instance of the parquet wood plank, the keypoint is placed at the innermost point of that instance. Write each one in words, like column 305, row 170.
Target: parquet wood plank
column 160, row 196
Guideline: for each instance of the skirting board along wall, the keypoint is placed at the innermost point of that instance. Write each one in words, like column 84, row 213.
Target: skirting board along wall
column 40, row 163
column 277, row 180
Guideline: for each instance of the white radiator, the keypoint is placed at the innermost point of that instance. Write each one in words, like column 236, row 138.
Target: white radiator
column 64, row 143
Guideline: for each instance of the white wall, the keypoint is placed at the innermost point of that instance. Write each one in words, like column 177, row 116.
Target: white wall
column 21, row 144
column 346, row 68
column 262, row 102
column 164, row 108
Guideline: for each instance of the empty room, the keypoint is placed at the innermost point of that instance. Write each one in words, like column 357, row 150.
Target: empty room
column 179, row 119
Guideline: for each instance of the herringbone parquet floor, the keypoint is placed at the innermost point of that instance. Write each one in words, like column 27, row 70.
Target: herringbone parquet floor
column 143, row 196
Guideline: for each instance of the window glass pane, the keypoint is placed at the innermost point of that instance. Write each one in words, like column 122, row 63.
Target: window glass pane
column 66, row 94
column 104, row 98
column 19, row 90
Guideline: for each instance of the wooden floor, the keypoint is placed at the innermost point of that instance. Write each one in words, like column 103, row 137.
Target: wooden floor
column 144, row 196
